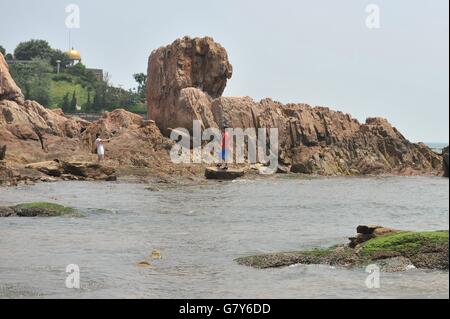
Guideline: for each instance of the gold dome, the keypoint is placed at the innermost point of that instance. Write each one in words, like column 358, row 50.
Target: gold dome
column 74, row 54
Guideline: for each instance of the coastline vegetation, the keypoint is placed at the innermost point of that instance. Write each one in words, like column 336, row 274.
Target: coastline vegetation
column 73, row 88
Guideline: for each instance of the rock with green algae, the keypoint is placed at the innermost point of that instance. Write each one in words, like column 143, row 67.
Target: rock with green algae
column 38, row 209
column 423, row 250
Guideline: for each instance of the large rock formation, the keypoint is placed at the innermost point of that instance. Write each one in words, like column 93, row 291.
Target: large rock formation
column 28, row 128
column 185, row 83
column 183, row 78
column 134, row 141
column 35, row 136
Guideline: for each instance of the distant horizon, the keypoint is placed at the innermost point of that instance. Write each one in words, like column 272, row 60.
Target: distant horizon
column 320, row 53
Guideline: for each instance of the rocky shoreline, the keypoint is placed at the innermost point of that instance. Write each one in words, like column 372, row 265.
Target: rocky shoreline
column 186, row 82
column 391, row 250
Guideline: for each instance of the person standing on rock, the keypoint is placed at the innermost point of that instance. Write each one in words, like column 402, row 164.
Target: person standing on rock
column 100, row 147
column 224, row 149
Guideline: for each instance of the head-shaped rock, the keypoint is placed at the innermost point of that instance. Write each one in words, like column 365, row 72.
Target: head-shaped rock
column 198, row 63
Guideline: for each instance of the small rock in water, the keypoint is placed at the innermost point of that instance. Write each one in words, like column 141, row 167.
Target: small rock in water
column 152, row 188
column 266, row 171
column 222, row 174
column 156, row 254
column 144, row 264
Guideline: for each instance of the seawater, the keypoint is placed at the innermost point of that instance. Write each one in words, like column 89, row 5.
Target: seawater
column 201, row 229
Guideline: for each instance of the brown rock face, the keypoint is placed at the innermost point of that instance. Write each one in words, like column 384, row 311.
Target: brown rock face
column 2, row 152
column 198, row 63
column 185, row 83
column 445, row 162
column 27, row 128
column 37, row 136
column 6, row 173
column 134, row 141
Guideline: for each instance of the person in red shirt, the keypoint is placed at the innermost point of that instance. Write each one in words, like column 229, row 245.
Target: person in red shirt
column 224, row 149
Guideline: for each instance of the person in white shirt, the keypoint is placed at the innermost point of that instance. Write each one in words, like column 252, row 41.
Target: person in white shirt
column 100, row 147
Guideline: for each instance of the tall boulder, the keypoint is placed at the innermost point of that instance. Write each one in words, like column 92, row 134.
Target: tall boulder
column 182, row 79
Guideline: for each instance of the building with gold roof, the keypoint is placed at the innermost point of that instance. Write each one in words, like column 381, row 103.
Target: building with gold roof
column 74, row 56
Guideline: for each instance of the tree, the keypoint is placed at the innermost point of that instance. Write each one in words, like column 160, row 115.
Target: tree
column 33, row 49
column 87, row 106
column 78, row 69
column 73, row 103
column 141, row 79
column 61, row 56
column 65, row 103
column 40, row 93
column 2, row 50
column 33, row 79
column 9, row 57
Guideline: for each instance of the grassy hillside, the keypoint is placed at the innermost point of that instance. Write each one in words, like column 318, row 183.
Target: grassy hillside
column 59, row 88
column 38, row 82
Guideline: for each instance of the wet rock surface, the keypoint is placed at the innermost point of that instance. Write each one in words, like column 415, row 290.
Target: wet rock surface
column 222, row 174
column 390, row 250
column 37, row 210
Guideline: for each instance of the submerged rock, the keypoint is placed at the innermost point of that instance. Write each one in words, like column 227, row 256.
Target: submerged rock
column 156, row 254
column 393, row 251
column 6, row 212
column 145, row 264
column 38, row 209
